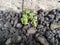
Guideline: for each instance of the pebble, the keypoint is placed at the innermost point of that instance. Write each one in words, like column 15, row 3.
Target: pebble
column 42, row 40
column 8, row 41
column 19, row 25
column 31, row 31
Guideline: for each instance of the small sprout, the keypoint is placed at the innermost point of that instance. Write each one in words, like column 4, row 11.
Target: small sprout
column 29, row 15
column 27, row 10
column 32, row 14
column 34, row 23
column 24, row 19
column 35, row 17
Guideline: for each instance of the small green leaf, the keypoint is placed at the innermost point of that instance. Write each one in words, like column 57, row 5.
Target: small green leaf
column 24, row 21
column 24, row 16
column 27, row 10
column 35, row 17
column 32, row 14
column 34, row 23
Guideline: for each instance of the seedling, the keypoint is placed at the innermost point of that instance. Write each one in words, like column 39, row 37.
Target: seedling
column 34, row 23
column 26, row 10
column 29, row 15
column 24, row 19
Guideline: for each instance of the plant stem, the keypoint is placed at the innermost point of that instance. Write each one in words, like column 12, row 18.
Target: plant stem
column 22, row 5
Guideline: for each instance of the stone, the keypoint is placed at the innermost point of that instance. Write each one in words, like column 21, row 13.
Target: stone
column 42, row 40
column 12, row 22
column 54, row 25
column 15, row 22
column 7, row 24
column 31, row 31
column 1, row 24
column 19, row 25
column 8, row 41
column 11, row 5
column 19, row 38
column 26, row 27
column 16, row 5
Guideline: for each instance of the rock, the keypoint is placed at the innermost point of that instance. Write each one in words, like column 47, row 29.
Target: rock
column 54, row 25
column 1, row 24
column 19, row 25
column 21, row 44
column 7, row 24
column 42, row 40
column 31, row 31
column 15, row 22
column 42, row 4
column 16, row 5
column 12, row 22
column 26, row 27
column 8, row 17
column 8, row 41
column 19, row 38
column 25, row 34
column 52, row 37
column 11, row 5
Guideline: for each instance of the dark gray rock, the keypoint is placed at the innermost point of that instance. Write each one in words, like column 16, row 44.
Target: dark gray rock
column 26, row 27
column 1, row 24
column 7, row 24
column 12, row 32
column 15, row 22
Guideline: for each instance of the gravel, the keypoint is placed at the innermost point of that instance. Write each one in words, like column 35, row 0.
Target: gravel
column 13, row 32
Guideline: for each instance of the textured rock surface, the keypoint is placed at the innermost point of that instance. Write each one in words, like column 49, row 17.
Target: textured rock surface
column 11, row 5
column 33, row 4
column 48, row 4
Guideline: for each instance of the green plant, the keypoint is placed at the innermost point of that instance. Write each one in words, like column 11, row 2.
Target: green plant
column 26, row 10
column 34, row 23
column 24, row 19
column 29, row 15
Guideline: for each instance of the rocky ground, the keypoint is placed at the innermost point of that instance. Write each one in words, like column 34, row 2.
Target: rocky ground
column 16, row 5
column 13, row 32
